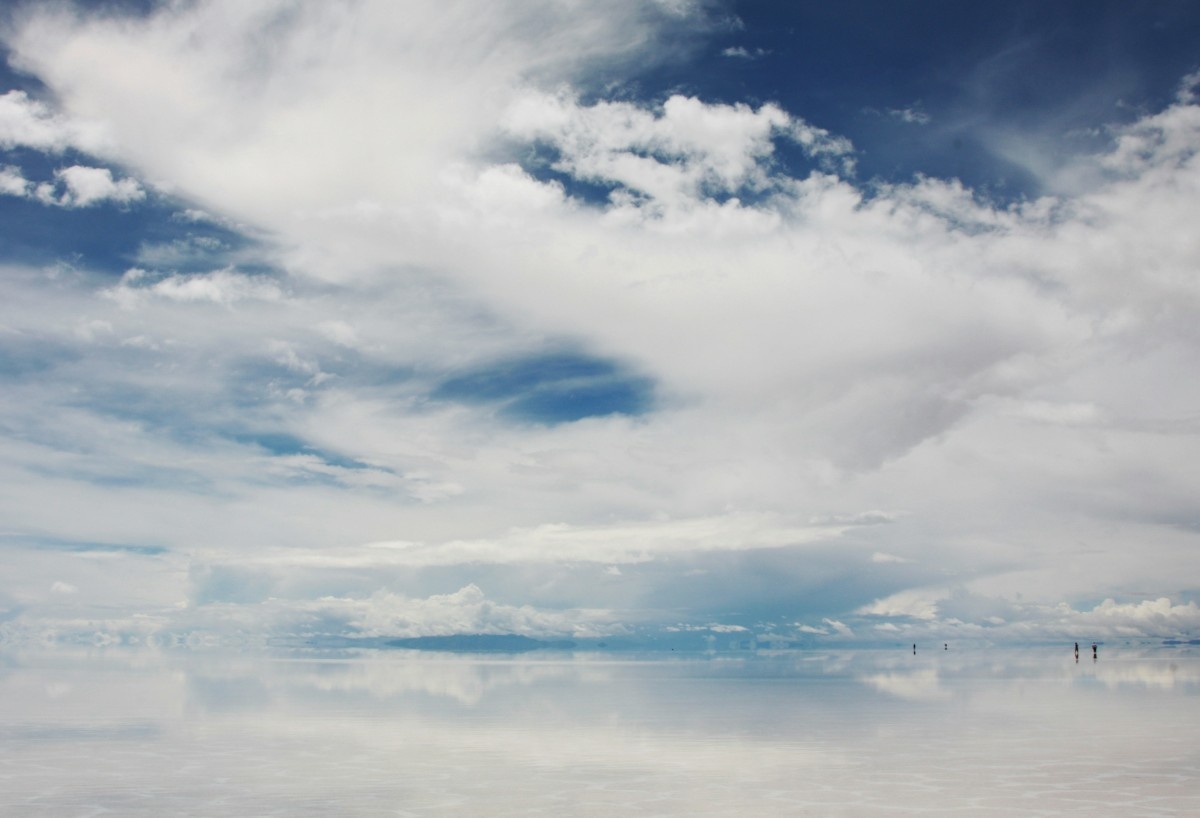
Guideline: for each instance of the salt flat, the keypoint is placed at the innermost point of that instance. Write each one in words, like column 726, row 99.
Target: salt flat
column 1030, row 732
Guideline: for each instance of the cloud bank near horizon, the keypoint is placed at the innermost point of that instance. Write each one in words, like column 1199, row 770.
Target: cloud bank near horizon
column 439, row 304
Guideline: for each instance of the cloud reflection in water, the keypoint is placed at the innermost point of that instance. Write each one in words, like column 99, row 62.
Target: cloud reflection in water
column 845, row 733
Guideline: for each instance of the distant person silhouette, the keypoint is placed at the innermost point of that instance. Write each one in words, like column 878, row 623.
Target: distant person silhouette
column 1076, row 651
column 945, row 646
column 914, row 649
column 1093, row 651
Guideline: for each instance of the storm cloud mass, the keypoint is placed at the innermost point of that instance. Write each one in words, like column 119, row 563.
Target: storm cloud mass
column 584, row 319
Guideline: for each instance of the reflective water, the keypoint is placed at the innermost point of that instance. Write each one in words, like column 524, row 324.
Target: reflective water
column 1022, row 733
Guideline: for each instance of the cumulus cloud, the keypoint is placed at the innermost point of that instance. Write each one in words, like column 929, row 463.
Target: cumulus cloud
column 685, row 151
column 427, row 86
column 917, row 604
column 942, row 613
column 468, row 611
column 30, row 123
column 75, row 186
column 383, row 614
column 1157, row 617
column 840, row 628
column 80, row 186
column 13, row 182
column 1164, row 141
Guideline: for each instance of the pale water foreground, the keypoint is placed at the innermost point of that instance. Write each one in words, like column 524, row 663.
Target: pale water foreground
column 882, row 732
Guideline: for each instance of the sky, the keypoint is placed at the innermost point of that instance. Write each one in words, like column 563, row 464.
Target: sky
column 806, row 322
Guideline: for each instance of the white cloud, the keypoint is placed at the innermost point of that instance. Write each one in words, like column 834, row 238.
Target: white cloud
column 218, row 287
column 75, row 186
column 920, row 685
column 84, row 186
column 1187, row 89
column 340, row 332
column 639, row 541
column 508, row 192
column 428, row 84
column 13, row 182
column 1019, row 379
column 917, row 604
column 910, row 116
column 29, row 123
column 284, row 353
column 181, row 252
column 743, row 53
column 92, row 330
column 1160, row 143
column 938, row 614
column 873, row 517
column 840, row 628
column 719, row 628
column 1059, row 413
column 677, row 156
column 614, row 545
column 1157, row 617
column 467, row 610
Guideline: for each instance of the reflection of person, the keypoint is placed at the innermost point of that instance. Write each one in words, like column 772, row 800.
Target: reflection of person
column 1093, row 651
column 914, row 649
column 1076, row 651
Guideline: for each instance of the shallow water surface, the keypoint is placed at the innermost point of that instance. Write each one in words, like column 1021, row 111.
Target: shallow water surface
column 399, row 733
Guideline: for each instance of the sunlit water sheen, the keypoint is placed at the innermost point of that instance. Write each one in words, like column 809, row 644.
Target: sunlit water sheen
column 960, row 732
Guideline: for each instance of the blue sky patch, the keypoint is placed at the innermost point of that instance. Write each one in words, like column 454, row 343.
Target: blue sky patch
column 551, row 389
column 282, row 444
column 929, row 87
column 80, row 546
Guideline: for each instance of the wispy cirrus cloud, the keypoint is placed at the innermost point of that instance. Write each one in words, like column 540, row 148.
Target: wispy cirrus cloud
column 219, row 287
column 740, row 52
